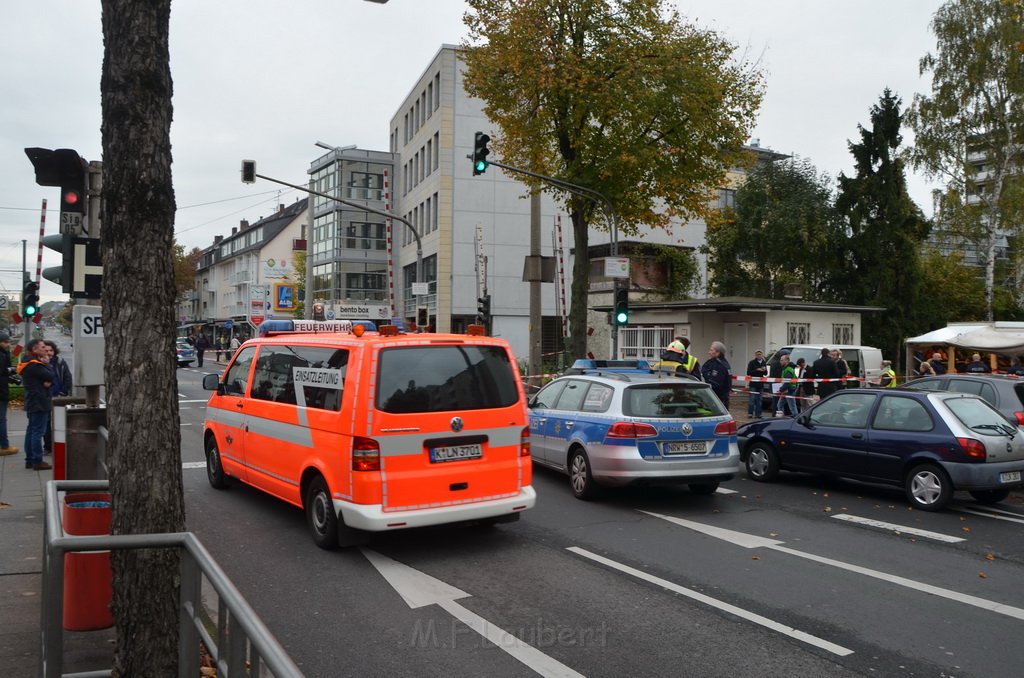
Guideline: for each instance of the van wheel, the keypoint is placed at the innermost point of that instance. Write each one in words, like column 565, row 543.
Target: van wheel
column 214, row 471
column 990, row 496
column 320, row 515
column 580, row 478
column 928, row 487
column 762, row 463
column 703, row 488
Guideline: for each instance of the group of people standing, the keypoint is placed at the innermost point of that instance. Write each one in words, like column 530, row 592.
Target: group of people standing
column 715, row 371
column 44, row 375
column 791, row 397
column 222, row 346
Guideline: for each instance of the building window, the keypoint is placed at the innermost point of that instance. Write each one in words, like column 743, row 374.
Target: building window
column 726, row 199
column 798, row 333
column 365, row 186
column 842, row 333
column 437, row 148
column 364, row 236
column 644, row 343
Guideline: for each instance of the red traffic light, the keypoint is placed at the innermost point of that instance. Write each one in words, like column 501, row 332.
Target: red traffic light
column 72, row 197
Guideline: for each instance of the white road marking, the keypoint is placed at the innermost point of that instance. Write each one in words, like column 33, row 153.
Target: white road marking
column 892, row 527
column 418, row 589
column 206, row 400
column 796, row 634
column 724, row 490
column 193, row 464
column 752, row 541
column 992, row 513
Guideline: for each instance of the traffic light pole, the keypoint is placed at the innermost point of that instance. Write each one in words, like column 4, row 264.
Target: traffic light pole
column 367, row 208
column 595, row 196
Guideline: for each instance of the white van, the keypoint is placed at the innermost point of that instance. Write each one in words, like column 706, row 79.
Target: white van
column 864, row 361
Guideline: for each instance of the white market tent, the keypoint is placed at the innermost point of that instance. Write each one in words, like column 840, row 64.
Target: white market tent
column 1004, row 338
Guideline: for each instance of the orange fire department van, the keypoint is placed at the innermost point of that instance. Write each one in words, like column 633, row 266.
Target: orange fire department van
column 371, row 431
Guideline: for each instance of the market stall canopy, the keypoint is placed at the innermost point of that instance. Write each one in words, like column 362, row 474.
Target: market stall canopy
column 997, row 337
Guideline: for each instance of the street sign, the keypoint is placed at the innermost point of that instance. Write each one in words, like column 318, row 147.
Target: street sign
column 3, row 302
column 70, row 223
column 87, row 270
column 87, row 330
column 420, row 288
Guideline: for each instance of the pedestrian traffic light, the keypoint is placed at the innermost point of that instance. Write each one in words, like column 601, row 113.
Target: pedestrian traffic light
column 483, row 309
column 248, row 171
column 480, row 153
column 30, row 299
column 621, row 312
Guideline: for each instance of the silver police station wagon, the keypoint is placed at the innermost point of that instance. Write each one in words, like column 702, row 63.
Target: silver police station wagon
column 611, row 429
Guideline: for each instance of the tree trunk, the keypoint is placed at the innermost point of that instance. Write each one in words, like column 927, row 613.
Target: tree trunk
column 580, row 287
column 143, row 452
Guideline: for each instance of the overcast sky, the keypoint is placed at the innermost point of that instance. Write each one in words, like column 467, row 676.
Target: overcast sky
column 266, row 79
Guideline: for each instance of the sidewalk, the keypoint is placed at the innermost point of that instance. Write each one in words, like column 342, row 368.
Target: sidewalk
column 21, row 566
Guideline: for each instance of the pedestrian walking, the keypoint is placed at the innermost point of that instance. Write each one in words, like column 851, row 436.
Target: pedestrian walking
column 37, row 381
column 757, row 369
column 6, row 372
column 717, row 372
column 202, row 343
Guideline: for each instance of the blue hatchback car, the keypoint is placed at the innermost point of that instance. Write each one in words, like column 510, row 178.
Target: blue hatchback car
column 930, row 443
column 614, row 428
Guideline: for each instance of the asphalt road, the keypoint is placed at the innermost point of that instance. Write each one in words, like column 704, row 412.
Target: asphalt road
column 769, row 580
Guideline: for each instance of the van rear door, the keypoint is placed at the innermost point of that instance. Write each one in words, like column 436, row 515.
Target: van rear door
column 449, row 418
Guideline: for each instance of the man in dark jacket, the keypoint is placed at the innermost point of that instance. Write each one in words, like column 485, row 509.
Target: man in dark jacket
column 976, row 366
column 37, row 380
column 756, row 369
column 717, row 372
column 61, row 387
column 5, row 393
column 825, row 368
column 202, row 343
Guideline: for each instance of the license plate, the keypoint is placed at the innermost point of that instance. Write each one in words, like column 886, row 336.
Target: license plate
column 456, row 453
column 695, row 447
column 1010, row 477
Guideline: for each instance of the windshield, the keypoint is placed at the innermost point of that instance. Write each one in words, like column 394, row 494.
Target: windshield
column 676, row 401
column 978, row 415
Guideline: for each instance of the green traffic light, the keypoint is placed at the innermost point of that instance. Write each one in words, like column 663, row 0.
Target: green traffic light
column 481, row 165
column 31, row 310
column 621, row 317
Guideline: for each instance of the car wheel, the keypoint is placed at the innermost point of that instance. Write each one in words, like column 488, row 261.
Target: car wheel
column 214, row 471
column 580, row 478
column 762, row 463
column 928, row 487
column 320, row 515
column 990, row 496
column 703, row 488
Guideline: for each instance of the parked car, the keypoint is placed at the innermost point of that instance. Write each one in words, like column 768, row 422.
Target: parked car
column 186, row 354
column 864, row 361
column 1006, row 394
column 932, row 443
column 614, row 429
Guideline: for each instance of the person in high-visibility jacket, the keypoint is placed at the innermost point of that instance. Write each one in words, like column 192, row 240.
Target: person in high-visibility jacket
column 888, row 379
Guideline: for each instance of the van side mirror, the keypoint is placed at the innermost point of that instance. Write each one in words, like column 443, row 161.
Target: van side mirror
column 211, row 382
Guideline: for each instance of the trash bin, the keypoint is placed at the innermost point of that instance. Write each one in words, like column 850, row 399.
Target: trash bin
column 88, row 578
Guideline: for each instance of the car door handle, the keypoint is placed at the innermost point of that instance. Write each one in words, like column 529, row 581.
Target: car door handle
column 569, row 424
column 857, row 436
column 540, row 421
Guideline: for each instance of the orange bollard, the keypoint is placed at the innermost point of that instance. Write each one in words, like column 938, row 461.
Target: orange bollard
column 88, row 578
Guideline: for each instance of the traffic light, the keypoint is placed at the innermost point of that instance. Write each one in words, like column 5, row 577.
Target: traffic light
column 63, row 274
column 422, row 317
column 480, row 153
column 483, row 309
column 64, row 167
column 30, row 299
column 248, row 171
column 621, row 313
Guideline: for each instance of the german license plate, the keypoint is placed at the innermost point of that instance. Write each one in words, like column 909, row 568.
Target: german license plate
column 1010, row 477
column 689, row 447
column 456, row 453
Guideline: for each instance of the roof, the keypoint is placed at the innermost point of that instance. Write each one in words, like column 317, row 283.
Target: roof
column 1000, row 337
column 746, row 304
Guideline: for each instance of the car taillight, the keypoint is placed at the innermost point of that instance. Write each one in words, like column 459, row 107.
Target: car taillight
column 524, row 443
column 365, row 454
column 628, row 429
column 726, row 428
column 1020, row 418
column 972, row 448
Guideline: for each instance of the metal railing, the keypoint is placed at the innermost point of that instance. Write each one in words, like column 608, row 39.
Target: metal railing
column 239, row 643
